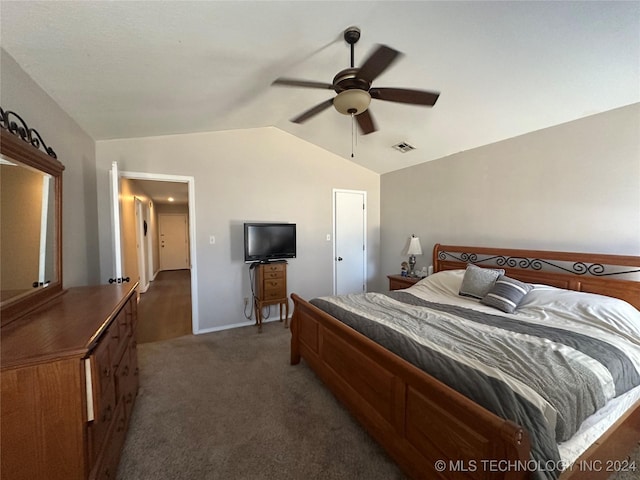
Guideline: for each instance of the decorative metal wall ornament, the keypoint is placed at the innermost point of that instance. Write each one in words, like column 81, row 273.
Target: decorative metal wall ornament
column 23, row 131
column 578, row 268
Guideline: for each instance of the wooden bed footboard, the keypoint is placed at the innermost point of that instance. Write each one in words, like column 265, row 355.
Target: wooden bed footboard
column 420, row 421
column 429, row 429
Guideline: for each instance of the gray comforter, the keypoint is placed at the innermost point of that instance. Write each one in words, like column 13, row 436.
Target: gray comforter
column 509, row 367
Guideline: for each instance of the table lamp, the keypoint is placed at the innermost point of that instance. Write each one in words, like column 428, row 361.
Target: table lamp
column 413, row 250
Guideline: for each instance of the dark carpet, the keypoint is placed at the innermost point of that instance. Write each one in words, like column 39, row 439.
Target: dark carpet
column 228, row 405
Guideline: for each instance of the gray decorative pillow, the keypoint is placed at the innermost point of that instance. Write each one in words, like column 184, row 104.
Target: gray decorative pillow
column 478, row 281
column 506, row 294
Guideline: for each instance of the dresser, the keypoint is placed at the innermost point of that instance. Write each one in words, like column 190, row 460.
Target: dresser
column 69, row 383
column 271, row 289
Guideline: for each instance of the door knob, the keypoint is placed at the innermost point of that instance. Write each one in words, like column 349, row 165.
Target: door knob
column 339, row 259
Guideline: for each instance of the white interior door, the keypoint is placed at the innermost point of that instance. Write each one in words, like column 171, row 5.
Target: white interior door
column 350, row 242
column 174, row 241
column 115, row 223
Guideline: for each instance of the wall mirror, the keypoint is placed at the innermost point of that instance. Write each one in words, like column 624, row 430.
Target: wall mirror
column 30, row 221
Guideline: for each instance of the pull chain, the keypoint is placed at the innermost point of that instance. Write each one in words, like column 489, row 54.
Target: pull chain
column 354, row 139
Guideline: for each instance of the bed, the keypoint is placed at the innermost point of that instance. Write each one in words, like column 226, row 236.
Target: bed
column 431, row 429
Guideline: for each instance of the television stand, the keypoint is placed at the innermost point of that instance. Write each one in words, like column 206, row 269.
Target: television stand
column 271, row 289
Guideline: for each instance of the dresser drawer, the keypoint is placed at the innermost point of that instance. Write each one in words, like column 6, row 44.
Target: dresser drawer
column 124, row 328
column 105, row 410
column 273, row 295
column 276, row 284
column 274, row 267
column 127, row 380
column 274, row 271
column 101, row 364
column 123, row 320
column 132, row 312
column 106, row 466
column 272, row 275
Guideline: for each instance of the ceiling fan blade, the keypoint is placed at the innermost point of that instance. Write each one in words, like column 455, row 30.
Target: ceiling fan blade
column 377, row 62
column 403, row 95
column 366, row 123
column 303, row 117
column 292, row 82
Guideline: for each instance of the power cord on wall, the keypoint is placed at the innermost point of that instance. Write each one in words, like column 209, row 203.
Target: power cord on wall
column 252, row 301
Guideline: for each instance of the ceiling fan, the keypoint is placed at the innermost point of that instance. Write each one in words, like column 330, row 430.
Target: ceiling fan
column 353, row 87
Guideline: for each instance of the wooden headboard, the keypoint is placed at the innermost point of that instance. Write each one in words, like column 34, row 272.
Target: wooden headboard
column 584, row 272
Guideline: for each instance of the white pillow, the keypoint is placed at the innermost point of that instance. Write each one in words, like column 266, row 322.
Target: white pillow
column 445, row 281
column 587, row 307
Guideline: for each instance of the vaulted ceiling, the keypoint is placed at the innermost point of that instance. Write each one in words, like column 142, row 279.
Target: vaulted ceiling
column 132, row 69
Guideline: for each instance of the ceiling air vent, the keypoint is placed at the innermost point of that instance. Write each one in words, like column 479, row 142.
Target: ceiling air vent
column 404, row 147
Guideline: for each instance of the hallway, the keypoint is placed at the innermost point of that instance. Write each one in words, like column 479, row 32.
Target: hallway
column 164, row 310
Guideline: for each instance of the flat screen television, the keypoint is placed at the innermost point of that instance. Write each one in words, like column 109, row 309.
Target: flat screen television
column 266, row 242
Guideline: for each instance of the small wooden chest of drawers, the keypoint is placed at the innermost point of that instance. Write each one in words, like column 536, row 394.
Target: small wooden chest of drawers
column 271, row 289
column 398, row 282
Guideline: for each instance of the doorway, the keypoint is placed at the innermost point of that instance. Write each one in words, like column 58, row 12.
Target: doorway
column 349, row 241
column 191, row 264
column 173, row 235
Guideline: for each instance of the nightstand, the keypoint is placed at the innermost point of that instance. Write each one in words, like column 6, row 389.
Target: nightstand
column 398, row 282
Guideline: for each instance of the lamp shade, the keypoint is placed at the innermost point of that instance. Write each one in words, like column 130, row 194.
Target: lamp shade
column 351, row 101
column 414, row 246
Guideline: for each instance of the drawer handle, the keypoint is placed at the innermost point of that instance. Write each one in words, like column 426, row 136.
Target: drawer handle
column 106, row 372
column 125, row 372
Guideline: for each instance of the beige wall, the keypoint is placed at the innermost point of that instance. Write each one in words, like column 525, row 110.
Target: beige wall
column 170, row 208
column 572, row 187
column 76, row 150
column 260, row 174
column 129, row 190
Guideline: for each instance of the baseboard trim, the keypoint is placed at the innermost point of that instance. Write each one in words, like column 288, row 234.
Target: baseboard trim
column 236, row 325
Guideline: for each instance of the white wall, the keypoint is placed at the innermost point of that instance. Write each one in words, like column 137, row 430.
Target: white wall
column 261, row 174
column 76, row 150
column 573, row 187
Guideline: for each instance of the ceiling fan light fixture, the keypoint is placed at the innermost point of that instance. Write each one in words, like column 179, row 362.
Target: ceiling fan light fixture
column 353, row 101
